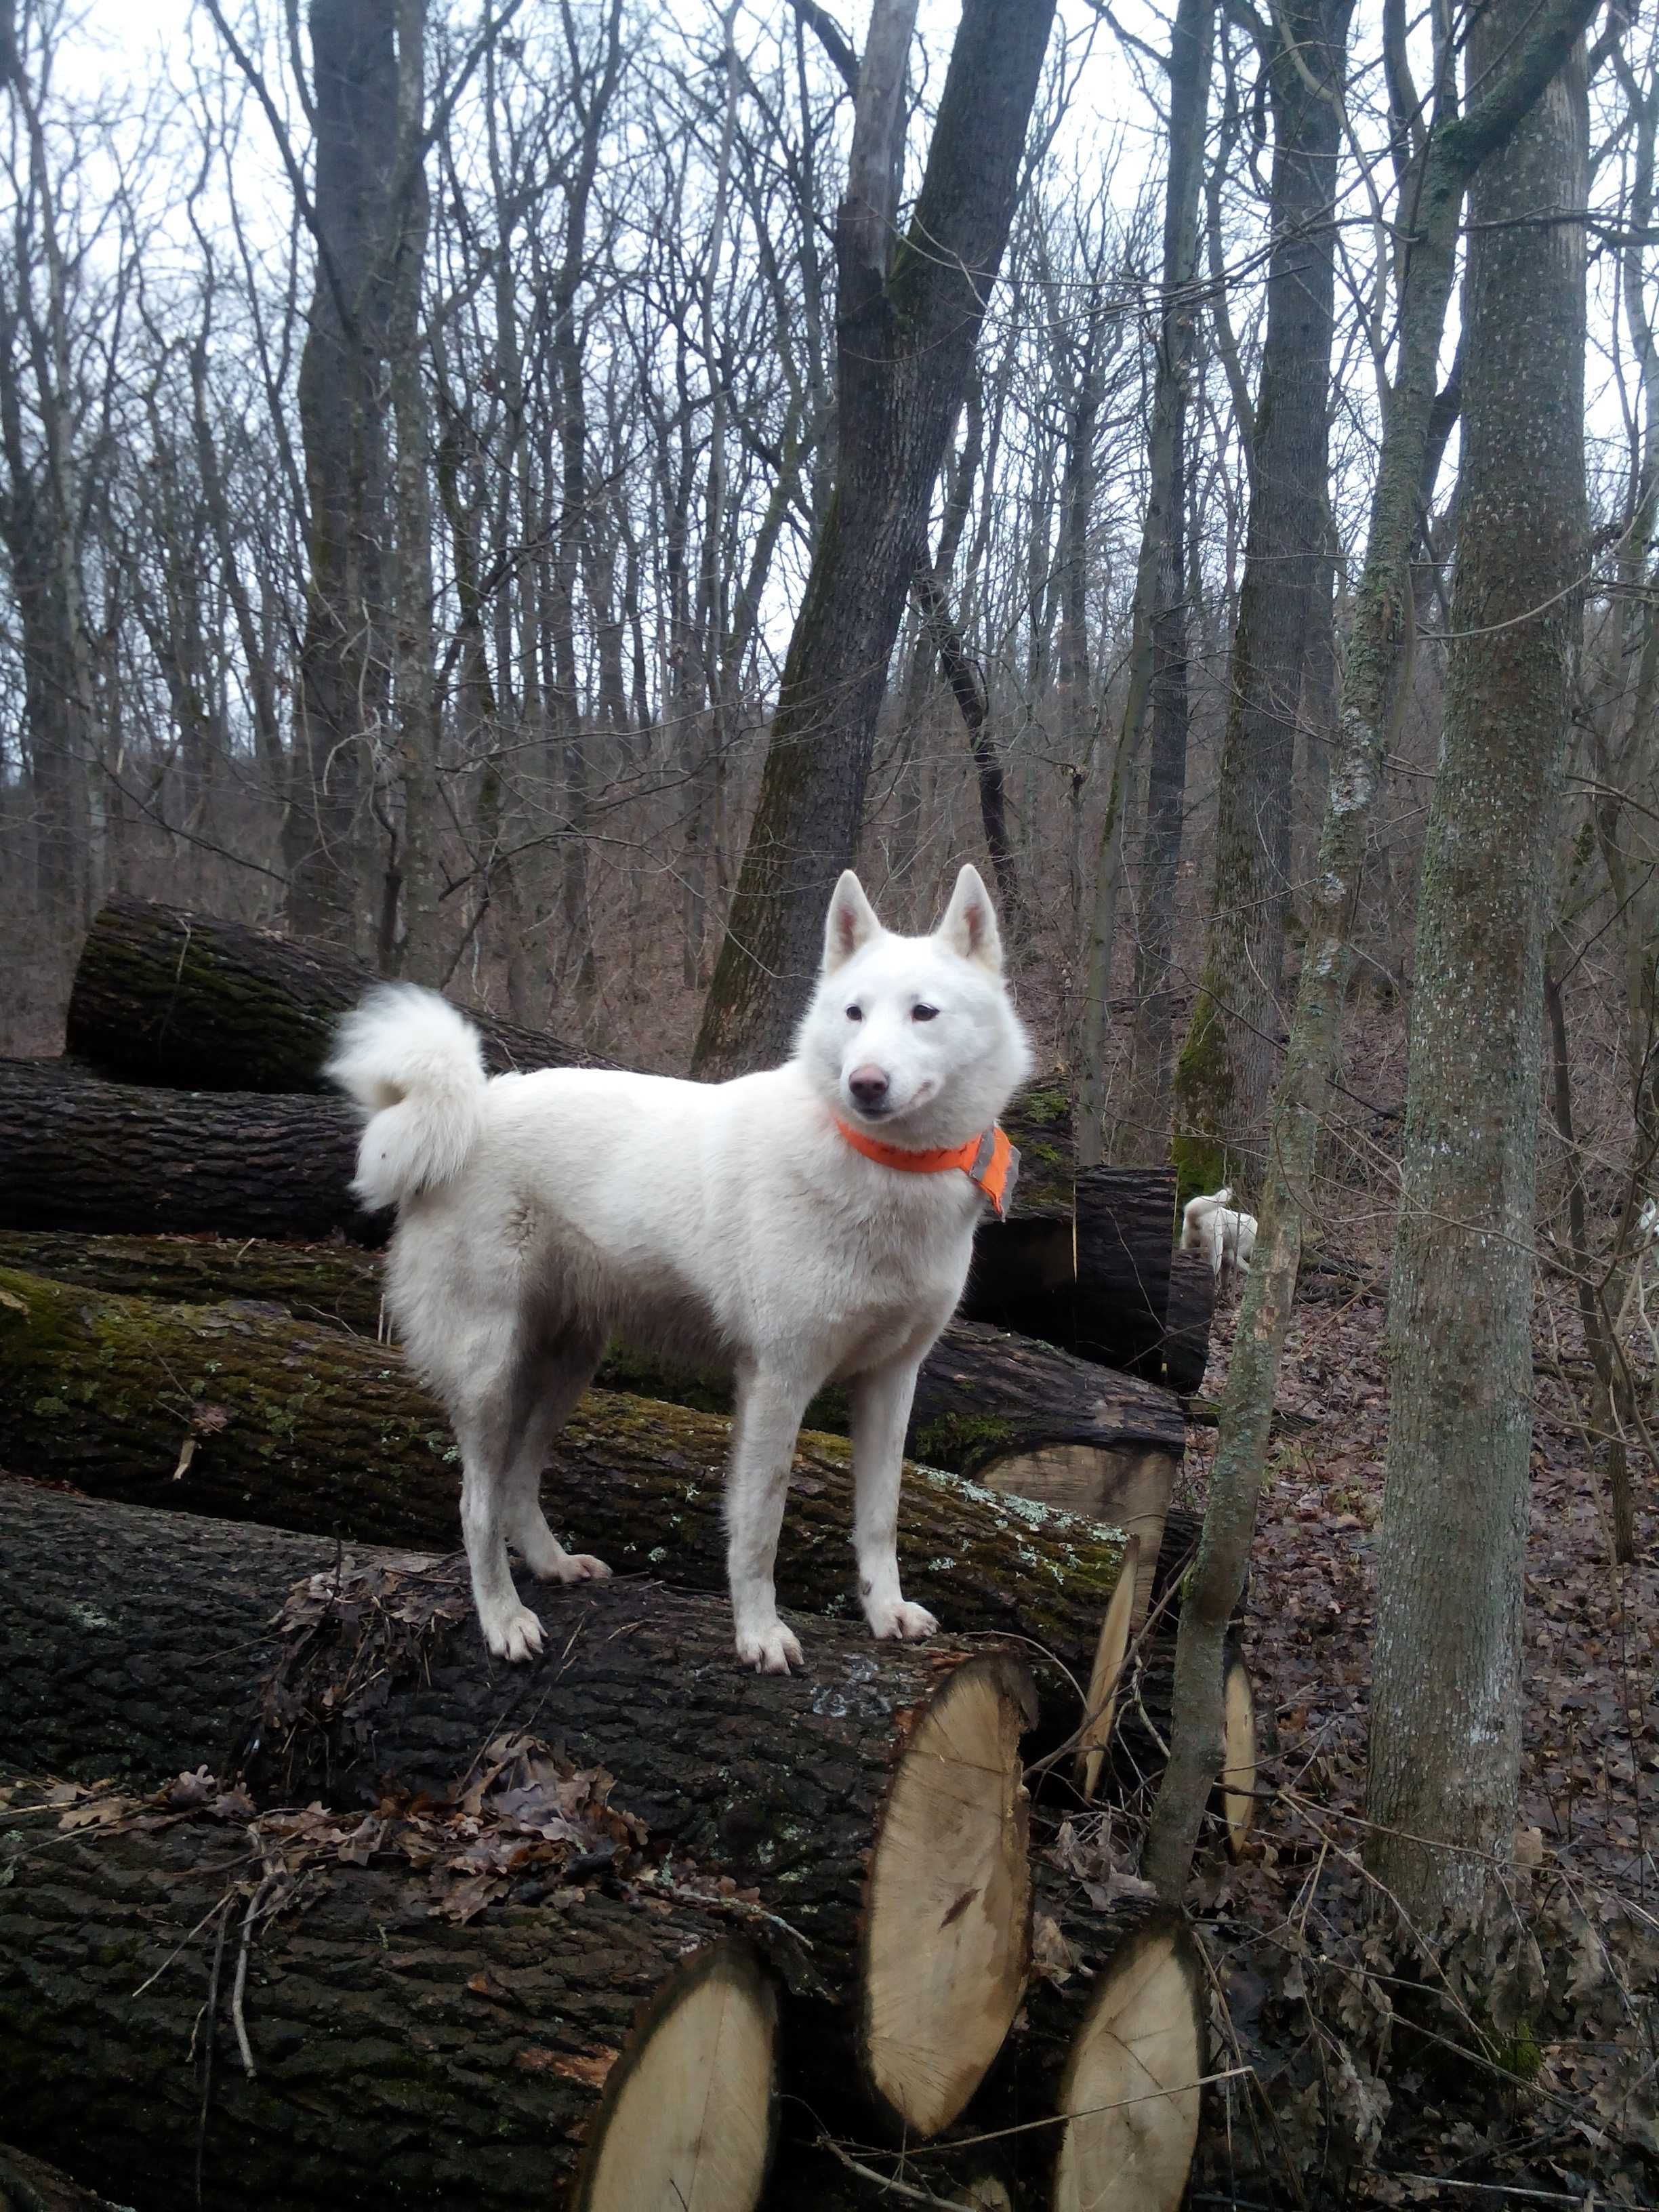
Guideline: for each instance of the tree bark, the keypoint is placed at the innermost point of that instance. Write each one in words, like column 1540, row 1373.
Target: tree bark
column 233, row 1411
column 166, row 996
column 396, row 2051
column 77, row 1152
column 907, row 323
column 1446, row 1703
column 1224, row 1083
column 1157, row 646
column 1454, row 147
column 344, row 409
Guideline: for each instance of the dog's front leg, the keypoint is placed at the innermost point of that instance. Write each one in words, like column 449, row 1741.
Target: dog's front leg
column 768, row 1412
column 881, row 1413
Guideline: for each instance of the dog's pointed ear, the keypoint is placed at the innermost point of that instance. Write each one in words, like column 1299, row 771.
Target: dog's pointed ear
column 970, row 926
column 851, row 922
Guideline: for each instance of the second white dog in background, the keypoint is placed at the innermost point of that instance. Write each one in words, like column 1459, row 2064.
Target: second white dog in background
column 1210, row 1225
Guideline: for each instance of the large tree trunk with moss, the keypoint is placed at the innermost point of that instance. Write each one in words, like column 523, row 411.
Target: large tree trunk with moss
column 1454, row 147
column 248, row 2017
column 164, row 994
column 1224, row 1082
column 232, row 1411
column 77, row 1152
column 908, row 321
column 1446, row 1700
column 858, row 1803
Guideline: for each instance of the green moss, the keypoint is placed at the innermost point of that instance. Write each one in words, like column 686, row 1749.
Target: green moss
column 962, row 1442
column 1204, row 1096
column 1519, row 2054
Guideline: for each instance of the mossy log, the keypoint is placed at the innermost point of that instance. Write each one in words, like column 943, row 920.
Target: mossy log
column 163, row 994
column 595, row 2051
column 77, row 1152
column 1018, row 1415
column 860, row 1802
column 236, row 1412
column 339, row 1284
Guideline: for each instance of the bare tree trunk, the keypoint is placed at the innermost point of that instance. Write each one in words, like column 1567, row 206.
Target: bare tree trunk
column 1446, row 1699
column 1159, row 583
column 415, row 696
column 1454, row 147
column 342, row 405
column 1229, row 1061
column 907, row 325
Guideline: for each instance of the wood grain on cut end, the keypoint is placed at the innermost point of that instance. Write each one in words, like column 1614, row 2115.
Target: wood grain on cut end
column 1130, row 2093
column 1125, row 1487
column 687, row 2121
column 1100, row 1705
column 1238, row 1764
column 947, row 1937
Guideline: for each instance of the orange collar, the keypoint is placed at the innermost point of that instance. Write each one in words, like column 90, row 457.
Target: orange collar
column 989, row 1161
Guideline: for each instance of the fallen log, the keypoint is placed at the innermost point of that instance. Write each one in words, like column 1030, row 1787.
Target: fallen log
column 1096, row 2102
column 1005, row 1409
column 1020, row 1417
column 248, row 2017
column 231, row 1410
column 29, row 2185
column 339, row 1284
column 1188, row 1320
column 1114, row 2049
column 77, row 1152
column 164, row 994
column 860, row 1802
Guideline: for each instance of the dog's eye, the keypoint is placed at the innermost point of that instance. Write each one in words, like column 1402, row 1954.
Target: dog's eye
column 923, row 1013
column 855, row 1013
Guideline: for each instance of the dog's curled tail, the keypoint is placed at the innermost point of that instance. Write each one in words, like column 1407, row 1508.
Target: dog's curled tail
column 415, row 1067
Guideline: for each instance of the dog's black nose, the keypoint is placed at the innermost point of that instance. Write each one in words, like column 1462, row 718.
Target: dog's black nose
column 868, row 1086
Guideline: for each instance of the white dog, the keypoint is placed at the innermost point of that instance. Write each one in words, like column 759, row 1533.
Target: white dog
column 1225, row 1239
column 760, row 1225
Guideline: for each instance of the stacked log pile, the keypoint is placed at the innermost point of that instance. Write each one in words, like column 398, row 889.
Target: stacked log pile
column 574, row 1933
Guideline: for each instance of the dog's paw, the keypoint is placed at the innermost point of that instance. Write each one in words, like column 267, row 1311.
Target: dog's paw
column 901, row 1623
column 578, row 1567
column 514, row 1634
column 772, row 1650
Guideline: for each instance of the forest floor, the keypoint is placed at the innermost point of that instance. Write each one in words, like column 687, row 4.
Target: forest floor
column 1372, row 2088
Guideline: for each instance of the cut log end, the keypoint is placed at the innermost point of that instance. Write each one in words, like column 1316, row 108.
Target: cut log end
column 1101, row 1707
column 687, row 2115
column 1130, row 2093
column 947, row 1936
column 1238, row 1769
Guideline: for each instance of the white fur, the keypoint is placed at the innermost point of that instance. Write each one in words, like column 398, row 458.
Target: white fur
column 1211, row 1227
column 723, row 1224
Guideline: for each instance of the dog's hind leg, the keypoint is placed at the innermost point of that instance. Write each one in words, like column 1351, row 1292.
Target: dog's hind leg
column 768, row 1412
column 567, row 1373
column 484, row 1431
column 881, row 1413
